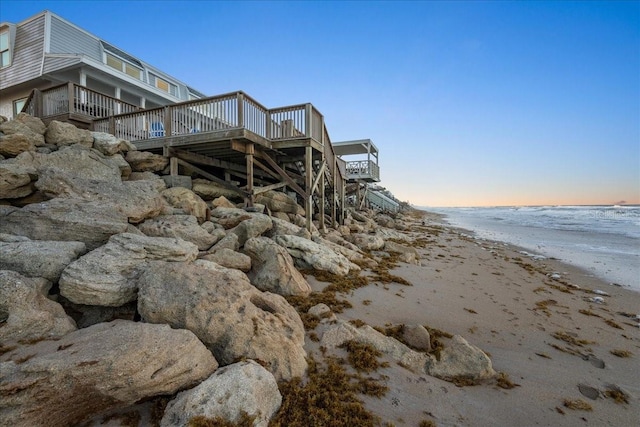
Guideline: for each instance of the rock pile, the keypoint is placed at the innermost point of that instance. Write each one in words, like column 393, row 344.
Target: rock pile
column 115, row 288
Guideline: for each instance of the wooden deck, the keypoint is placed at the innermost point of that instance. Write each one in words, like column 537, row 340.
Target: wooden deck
column 230, row 139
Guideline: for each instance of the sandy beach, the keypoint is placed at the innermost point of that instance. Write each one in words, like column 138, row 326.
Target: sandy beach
column 539, row 320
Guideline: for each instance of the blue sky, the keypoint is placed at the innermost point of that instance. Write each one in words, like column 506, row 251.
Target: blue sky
column 470, row 103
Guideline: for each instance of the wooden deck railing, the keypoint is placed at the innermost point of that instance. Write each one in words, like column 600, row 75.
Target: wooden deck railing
column 71, row 98
column 229, row 111
column 362, row 169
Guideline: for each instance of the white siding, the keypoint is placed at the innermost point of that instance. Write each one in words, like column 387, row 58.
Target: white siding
column 52, row 64
column 27, row 54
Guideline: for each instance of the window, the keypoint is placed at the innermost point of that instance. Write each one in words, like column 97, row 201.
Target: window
column 163, row 84
column 121, row 65
column 5, row 52
column 17, row 106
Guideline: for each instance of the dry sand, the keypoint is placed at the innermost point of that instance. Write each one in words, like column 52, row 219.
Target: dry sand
column 507, row 304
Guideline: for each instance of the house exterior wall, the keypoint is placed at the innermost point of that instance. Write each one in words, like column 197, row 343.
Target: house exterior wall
column 27, row 54
column 66, row 38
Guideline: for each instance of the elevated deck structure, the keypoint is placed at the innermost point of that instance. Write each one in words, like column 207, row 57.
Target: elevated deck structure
column 230, row 139
column 363, row 163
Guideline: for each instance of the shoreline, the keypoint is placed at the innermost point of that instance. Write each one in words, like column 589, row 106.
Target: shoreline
column 591, row 264
column 509, row 306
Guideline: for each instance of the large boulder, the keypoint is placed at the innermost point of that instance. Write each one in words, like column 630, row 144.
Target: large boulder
column 19, row 127
column 234, row 390
column 25, row 311
column 108, row 144
column 277, row 201
column 209, row 190
column 137, row 200
column 106, row 276
column 188, row 201
column 355, row 256
column 64, row 220
column 229, row 217
column 229, row 258
column 281, row 226
column 407, row 254
column 103, row 367
column 15, row 181
column 234, row 319
column 337, row 334
column 185, row 227
column 273, row 268
column 76, row 160
column 144, row 161
column 367, row 242
column 15, row 144
column 252, row 227
column 37, row 258
column 33, row 123
column 309, row 254
column 61, row 134
column 459, row 359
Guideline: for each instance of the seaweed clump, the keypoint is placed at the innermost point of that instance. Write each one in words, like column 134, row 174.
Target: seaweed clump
column 201, row 421
column 329, row 397
column 577, row 404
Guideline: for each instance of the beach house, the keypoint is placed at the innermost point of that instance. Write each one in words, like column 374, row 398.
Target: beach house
column 52, row 69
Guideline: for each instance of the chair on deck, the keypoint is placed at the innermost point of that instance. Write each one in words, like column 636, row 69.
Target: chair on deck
column 157, row 130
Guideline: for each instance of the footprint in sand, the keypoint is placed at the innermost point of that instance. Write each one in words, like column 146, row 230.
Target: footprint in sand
column 588, row 391
column 598, row 363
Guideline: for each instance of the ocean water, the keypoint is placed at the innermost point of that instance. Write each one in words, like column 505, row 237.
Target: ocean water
column 604, row 240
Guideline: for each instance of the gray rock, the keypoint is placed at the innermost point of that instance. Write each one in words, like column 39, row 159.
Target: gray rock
column 229, row 241
column 61, row 134
column 228, row 314
column 229, row 217
column 138, row 200
column 188, row 201
column 26, row 311
column 310, row 254
column 20, row 127
column 184, row 227
column 285, row 227
column 221, row 202
column 106, row 276
column 65, row 220
column 336, row 335
column 144, row 161
column 108, row 144
column 230, row 259
column 417, row 336
column 15, row 181
column 277, row 201
column 33, row 123
column 244, row 387
column 367, row 242
column 209, row 190
column 407, row 253
column 273, row 268
column 125, row 168
column 104, row 367
column 252, row 227
column 15, row 144
column 177, row 181
column 355, row 256
column 461, row 359
column 38, row 258
column 77, row 160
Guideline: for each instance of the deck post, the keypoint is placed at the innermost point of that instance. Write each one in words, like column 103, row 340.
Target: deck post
column 307, row 120
column 334, row 193
column 70, row 98
column 167, row 121
column 308, row 170
column 321, row 208
column 173, row 166
column 249, row 157
column 37, row 100
column 240, row 99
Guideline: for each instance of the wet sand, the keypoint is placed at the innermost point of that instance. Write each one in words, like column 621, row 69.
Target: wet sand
column 537, row 319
